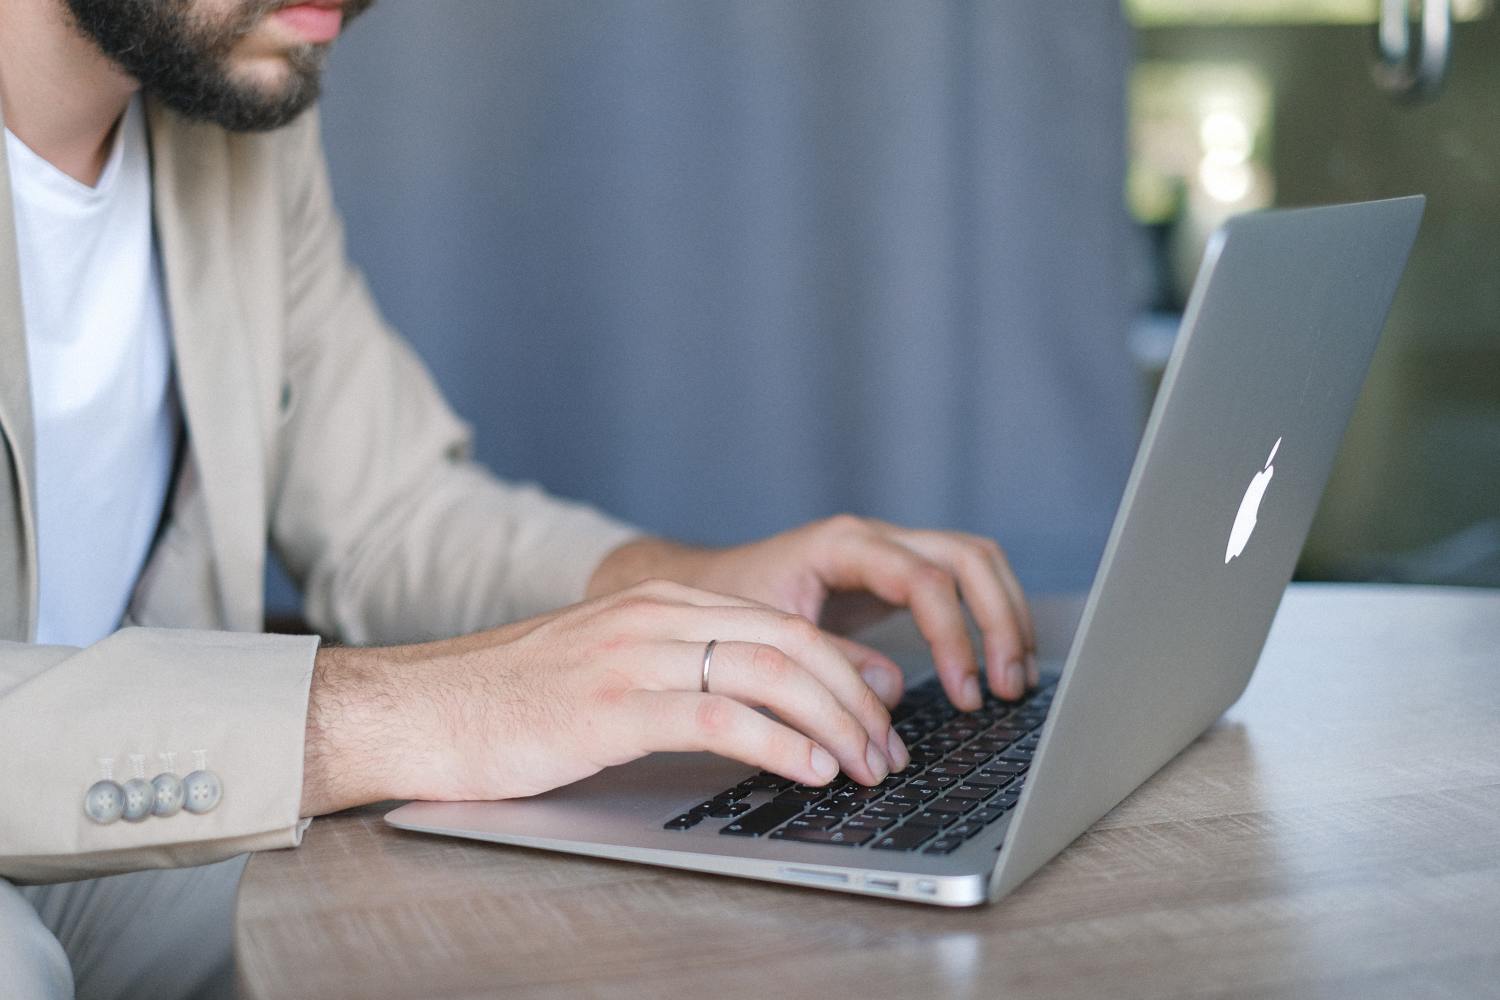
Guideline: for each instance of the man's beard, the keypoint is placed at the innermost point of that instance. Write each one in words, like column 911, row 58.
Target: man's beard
column 183, row 59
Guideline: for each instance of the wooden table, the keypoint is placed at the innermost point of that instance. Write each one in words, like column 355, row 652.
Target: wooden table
column 1336, row 834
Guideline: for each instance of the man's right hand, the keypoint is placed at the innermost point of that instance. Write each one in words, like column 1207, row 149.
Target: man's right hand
column 545, row 702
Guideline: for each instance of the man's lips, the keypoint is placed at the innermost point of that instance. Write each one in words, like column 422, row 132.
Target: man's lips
column 317, row 21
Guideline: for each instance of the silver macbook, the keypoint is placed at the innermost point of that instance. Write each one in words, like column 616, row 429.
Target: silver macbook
column 1274, row 345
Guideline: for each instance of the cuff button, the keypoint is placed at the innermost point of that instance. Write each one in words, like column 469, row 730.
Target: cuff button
column 168, row 794
column 104, row 802
column 139, row 795
column 201, row 790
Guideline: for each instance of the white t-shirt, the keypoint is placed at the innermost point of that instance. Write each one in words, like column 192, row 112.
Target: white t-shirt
column 101, row 379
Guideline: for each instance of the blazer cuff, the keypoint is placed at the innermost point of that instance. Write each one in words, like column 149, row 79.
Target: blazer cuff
column 142, row 702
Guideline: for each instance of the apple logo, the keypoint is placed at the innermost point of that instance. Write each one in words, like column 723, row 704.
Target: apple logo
column 1244, row 521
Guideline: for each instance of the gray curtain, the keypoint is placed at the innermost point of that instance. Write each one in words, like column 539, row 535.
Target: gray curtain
column 723, row 267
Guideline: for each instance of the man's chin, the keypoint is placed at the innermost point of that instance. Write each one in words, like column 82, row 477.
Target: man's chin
column 248, row 108
column 255, row 93
column 267, row 79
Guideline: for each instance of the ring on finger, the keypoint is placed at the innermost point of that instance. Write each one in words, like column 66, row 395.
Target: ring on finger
column 708, row 659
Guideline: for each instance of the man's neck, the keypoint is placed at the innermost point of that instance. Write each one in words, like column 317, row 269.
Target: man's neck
column 61, row 96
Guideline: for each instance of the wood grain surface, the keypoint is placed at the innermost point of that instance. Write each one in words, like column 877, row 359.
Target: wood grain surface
column 1336, row 834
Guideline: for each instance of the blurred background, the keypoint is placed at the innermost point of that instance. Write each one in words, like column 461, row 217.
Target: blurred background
column 725, row 266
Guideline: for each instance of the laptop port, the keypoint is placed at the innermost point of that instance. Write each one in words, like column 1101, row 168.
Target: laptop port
column 813, row 875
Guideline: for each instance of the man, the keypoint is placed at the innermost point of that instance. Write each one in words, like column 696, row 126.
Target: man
column 191, row 367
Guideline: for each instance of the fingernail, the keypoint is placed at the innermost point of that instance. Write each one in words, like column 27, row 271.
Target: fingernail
column 899, row 757
column 876, row 761
column 823, row 764
column 970, row 692
column 1015, row 676
column 882, row 683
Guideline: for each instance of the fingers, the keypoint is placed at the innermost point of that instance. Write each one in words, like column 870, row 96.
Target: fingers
column 805, row 646
column 993, row 596
column 898, row 575
column 976, row 569
column 765, row 676
column 683, row 720
column 768, row 658
column 1018, row 604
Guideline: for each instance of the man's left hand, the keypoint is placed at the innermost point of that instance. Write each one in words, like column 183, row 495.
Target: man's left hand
column 847, row 571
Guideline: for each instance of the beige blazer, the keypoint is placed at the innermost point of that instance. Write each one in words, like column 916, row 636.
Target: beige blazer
column 310, row 424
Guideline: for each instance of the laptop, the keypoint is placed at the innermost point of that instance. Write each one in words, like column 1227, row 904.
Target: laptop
column 1273, row 349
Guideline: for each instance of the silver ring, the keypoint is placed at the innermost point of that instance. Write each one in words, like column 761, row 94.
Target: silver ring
column 708, row 657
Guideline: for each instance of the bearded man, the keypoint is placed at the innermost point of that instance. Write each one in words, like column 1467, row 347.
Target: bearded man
column 191, row 369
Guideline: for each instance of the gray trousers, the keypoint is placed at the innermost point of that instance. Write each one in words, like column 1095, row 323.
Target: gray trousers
column 153, row 935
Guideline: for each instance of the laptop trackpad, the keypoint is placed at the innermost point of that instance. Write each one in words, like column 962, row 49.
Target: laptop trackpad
column 618, row 802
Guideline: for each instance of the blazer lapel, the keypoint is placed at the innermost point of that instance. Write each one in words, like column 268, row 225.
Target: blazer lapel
column 192, row 190
column 18, row 580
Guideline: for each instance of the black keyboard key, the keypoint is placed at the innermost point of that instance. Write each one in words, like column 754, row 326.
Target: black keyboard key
column 904, row 838
column 890, row 808
column 1007, row 801
column 915, row 790
column 839, row 809
column 814, row 823
column 1003, row 769
column 982, row 781
column 932, row 820
column 899, row 803
column 947, row 769
column 951, row 807
column 727, row 810
column 865, row 821
column 964, row 830
column 987, row 815
column 684, row 822
column 1003, row 734
column 944, row 845
column 1018, row 753
column 970, row 756
column 758, row 822
column 843, row 836
column 792, row 795
column 970, row 793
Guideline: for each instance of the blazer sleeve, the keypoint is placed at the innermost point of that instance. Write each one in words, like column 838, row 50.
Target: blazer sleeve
column 379, row 513
column 149, row 696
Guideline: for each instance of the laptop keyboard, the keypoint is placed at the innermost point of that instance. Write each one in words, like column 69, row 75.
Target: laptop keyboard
column 966, row 772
